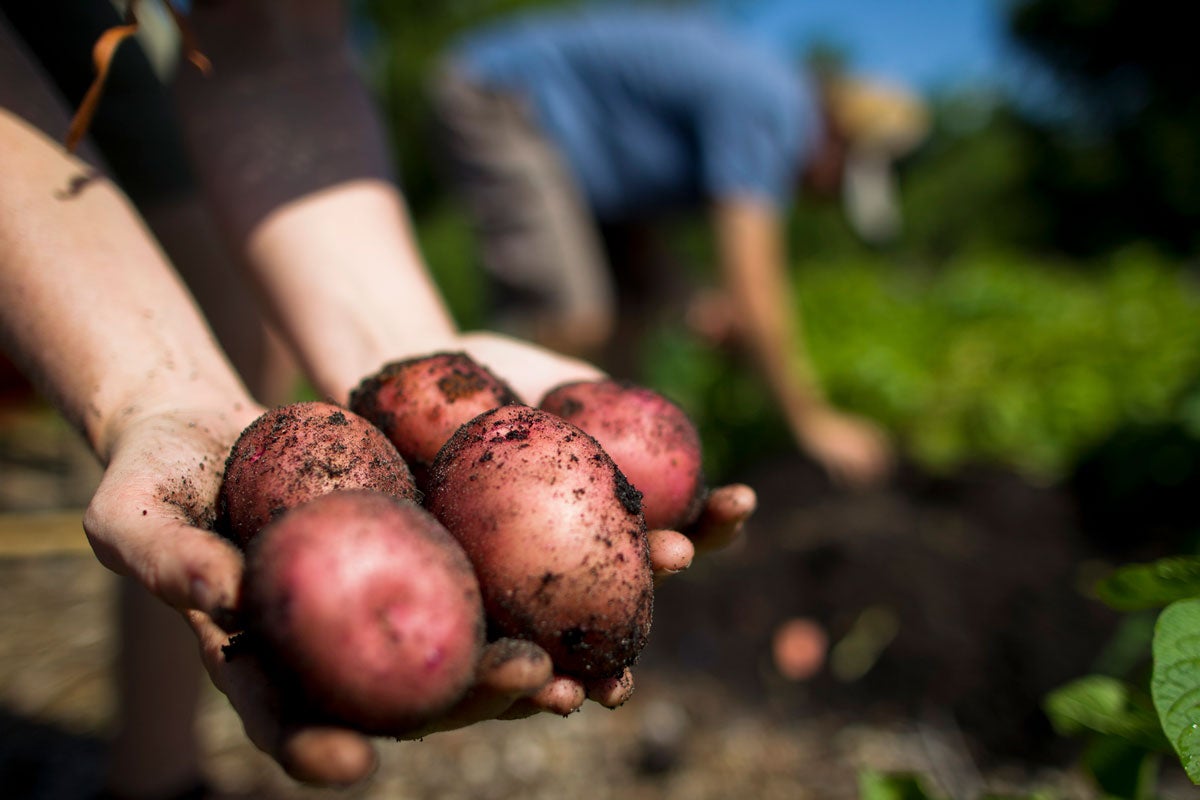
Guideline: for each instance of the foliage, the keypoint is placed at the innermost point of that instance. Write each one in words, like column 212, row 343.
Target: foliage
column 1176, row 680
column 445, row 239
column 1154, row 585
column 1131, row 719
column 1002, row 359
column 990, row 358
column 1117, row 137
column 1107, row 705
column 892, row 786
column 969, row 187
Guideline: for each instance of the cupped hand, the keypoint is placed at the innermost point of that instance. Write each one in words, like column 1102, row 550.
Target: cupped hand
column 151, row 519
column 720, row 523
column 516, row 678
column 533, row 371
column 152, row 514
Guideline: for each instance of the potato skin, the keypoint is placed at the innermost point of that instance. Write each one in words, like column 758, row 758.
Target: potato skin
column 420, row 402
column 299, row 451
column 556, row 535
column 367, row 606
column 653, row 441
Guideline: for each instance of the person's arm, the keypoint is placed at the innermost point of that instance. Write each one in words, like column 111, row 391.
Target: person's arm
column 292, row 155
column 751, row 253
column 293, row 159
column 96, row 317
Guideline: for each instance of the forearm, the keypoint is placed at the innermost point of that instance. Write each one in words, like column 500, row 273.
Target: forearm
column 92, row 310
column 750, row 250
column 294, row 161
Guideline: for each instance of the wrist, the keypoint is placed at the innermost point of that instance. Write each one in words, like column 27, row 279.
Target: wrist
column 216, row 395
column 341, row 366
column 348, row 304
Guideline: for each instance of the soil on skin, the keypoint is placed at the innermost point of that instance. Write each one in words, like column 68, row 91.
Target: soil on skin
column 951, row 606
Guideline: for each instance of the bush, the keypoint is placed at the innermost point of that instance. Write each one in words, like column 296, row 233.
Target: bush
column 989, row 358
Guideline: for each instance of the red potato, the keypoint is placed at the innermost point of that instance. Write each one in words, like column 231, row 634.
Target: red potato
column 368, row 606
column 555, row 533
column 420, row 402
column 653, row 441
column 296, row 452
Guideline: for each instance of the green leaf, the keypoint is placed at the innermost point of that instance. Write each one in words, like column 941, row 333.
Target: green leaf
column 1120, row 769
column 873, row 785
column 1175, row 684
column 1153, row 585
column 1108, row 706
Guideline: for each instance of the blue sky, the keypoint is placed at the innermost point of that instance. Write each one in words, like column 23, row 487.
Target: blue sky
column 932, row 44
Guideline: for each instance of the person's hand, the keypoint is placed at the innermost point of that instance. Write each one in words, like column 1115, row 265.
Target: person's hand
column 150, row 519
column 671, row 552
column 532, row 371
column 853, row 450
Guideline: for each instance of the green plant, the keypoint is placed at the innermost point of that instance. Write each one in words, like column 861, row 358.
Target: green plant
column 991, row 358
column 1132, row 715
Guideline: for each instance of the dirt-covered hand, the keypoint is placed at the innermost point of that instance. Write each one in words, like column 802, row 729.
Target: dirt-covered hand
column 151, row 519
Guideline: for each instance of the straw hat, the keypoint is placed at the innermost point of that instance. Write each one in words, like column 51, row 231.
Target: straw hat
column 881, row 123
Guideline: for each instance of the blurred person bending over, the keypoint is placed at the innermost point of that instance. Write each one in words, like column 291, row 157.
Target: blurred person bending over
column 568, row 134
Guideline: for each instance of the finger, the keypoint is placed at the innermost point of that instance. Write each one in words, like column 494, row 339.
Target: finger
column 724, row 516
column 670, row 552
column 514, row 666
column 185, row 566
column 562, row 695
column 509, row 670
column 321, row 755
column 612, row 692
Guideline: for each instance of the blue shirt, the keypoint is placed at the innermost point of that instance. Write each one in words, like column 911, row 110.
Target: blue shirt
column 653, row 109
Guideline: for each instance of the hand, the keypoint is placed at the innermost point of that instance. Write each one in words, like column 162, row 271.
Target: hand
column 853, row 450
column 149, row 520
column 671, row 552
column 531, row 371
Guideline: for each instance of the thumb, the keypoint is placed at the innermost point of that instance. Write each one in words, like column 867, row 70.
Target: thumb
column 183, row 565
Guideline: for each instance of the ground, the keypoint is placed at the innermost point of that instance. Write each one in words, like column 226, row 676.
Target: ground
column 952, row 605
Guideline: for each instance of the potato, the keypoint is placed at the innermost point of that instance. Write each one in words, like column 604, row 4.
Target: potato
column 420, row 402
column 296, row 452
column 653, row 441
column 555, row 533
column 367, row 606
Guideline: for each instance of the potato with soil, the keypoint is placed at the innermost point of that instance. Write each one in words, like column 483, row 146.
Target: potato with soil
column 556, row 536
column 652, row 440
column 296, row 452
column 368, row 607
column 420, row 402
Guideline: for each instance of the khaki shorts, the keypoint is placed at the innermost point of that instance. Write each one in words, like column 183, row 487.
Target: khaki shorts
column 536, row 236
